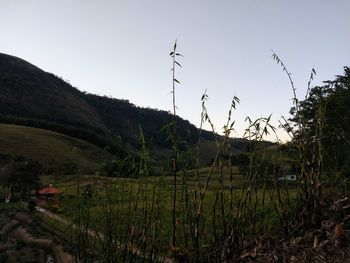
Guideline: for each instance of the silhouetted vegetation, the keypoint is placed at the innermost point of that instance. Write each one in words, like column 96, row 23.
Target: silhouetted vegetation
column 20, row 176
column 225, row 212
column 331, row 102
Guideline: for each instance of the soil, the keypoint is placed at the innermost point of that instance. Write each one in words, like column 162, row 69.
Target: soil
column 328, row 242
column 25, row 239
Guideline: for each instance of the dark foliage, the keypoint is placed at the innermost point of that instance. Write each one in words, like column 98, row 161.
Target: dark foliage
column 329, row 104
column 21, row 176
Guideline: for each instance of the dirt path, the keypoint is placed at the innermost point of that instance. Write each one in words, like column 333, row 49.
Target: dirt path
column 99, row 235
column 47, row 244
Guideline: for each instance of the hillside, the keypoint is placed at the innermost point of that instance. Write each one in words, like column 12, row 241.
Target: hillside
column 32, row 97
column 56, row 152
column 36, row 98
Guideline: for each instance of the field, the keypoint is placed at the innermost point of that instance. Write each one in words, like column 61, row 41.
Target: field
column 55, row 151
column 139, row 212
column 226, row 207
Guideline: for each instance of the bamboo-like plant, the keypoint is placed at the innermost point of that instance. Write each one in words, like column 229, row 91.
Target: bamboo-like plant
column 174, row 54
column 207, row 216
column 310, row 154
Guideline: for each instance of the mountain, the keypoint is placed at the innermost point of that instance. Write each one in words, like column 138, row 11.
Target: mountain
column 32, row 97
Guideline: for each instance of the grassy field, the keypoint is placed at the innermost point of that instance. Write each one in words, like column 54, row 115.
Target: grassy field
column 51, row 149
column 121, row 206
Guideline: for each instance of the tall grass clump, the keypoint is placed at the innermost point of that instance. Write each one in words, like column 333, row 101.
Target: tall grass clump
column 175, row 63
column 309, row 146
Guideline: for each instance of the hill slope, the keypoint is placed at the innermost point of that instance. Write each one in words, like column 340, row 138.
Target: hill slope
column 33, row 97
column 54, row 151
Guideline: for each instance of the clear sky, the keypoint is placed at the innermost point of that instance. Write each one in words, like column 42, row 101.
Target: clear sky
column 121, row 49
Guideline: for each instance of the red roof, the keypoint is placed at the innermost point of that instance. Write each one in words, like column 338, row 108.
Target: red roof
column 49, row 190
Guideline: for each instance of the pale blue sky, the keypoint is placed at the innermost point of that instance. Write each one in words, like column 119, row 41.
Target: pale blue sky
column 121, row 49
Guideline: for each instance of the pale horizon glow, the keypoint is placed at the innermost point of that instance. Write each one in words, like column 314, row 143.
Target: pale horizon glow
column 121, row 49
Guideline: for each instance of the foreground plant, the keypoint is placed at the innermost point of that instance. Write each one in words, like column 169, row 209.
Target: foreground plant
column 206, row 215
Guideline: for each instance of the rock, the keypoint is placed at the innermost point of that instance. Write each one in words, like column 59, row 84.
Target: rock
column 346, row 210
column 328, row 225
column 4, row 247
column 309, row 237
column 339, row 236
column 341, row 201
column 316, row 242
column 249, row 244
column 293, row 259
column 298, row 241
column 323, row 244
column 338, row 232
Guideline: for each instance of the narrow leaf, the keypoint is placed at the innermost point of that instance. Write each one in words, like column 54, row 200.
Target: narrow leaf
column 177, row 63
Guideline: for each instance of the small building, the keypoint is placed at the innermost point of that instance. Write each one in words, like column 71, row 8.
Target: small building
column 287, row 178
column 47, row 196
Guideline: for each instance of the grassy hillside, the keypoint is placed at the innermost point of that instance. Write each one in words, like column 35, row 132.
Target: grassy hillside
column 51, row 149
column 32, row 97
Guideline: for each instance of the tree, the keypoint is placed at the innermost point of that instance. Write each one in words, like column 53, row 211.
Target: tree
column 325, row 115
column 338, row 123
column 21, row 176
column 125, row 167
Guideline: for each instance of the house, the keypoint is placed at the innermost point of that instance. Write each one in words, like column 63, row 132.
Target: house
column 287, row 178
column 47, row 195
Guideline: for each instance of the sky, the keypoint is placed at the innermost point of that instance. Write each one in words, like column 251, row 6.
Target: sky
column 121, row 49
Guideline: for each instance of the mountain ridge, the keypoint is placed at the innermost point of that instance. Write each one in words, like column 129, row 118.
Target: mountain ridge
column 32, row 97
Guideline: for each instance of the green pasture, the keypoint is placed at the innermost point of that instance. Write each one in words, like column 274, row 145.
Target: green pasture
column 53, row 150
column 133, row 200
